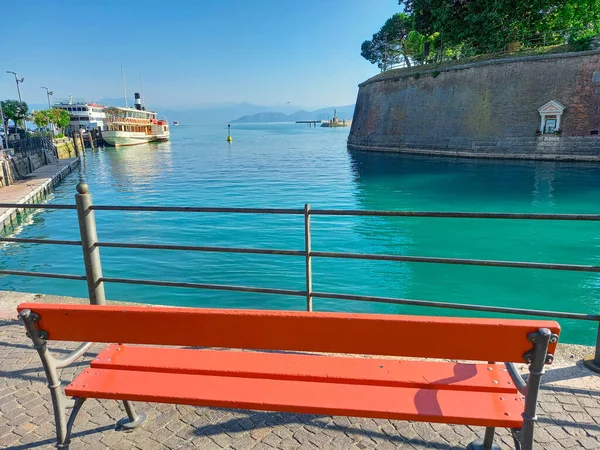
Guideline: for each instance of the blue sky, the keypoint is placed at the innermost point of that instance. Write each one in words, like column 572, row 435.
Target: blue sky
column 193, row 53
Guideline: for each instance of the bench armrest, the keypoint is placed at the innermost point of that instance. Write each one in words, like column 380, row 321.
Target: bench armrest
column 520, row 383
column 68, row 360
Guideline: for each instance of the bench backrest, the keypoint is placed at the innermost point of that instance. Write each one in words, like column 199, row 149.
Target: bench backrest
column 501, row 340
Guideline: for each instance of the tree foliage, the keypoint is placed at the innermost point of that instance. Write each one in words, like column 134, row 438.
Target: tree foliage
column 14, row 110
column 389, row 45
column 41, row 118
column 489, row 25
column 59, row 117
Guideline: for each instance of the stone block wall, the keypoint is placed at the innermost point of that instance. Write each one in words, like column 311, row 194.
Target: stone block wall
column 65, row 149
column 22, row 165
column 484, row 109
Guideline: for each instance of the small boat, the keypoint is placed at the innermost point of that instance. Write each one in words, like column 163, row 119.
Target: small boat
column 175, row 123
column 133, row 126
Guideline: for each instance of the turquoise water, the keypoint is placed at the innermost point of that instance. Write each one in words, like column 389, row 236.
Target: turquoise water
column 288, row 165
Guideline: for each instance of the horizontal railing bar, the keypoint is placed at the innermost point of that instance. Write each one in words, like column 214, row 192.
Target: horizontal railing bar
column 467, row 307
column 322, row 212
column 198, row 209
column 258, row 251
column 471, row 215
column 42, row 275
column 214, row 287
column 460, row 261
column 35, row 206
column 40, row 241
column 371, row 257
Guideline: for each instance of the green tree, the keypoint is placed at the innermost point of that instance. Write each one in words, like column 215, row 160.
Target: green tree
column 388, row 46
column 59, row 117
column 14, row 110
column 487, row 26
column 41, row 118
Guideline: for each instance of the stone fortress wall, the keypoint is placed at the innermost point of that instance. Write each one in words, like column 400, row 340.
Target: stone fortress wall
column 484, row 109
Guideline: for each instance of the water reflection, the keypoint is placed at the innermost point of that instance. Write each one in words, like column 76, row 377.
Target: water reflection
column 542, row 185
column 139, row 165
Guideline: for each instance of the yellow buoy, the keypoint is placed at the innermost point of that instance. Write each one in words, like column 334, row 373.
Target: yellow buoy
column 229, row 139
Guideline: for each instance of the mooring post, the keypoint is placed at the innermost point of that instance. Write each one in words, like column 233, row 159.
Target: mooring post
column 75, row 144
column 89, row 239
column 308, row 259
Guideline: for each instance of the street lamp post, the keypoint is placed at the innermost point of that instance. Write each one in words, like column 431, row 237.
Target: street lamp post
column 48, row 94
column 20, row 99
column 18, row 82
column 4, row 140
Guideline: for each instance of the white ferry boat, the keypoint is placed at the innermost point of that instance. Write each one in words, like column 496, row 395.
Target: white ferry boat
column 133, row 126
column 84, row 116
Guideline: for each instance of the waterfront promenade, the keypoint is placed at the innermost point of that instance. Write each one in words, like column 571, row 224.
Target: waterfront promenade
column 34, row 187
column 569, row 412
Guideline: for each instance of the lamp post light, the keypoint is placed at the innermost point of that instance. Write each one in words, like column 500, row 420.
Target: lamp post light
column 18, row 82
column 48, row 94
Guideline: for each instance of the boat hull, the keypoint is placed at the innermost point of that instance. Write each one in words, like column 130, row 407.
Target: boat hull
column 128, row 138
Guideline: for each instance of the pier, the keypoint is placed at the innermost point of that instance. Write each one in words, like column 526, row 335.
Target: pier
column 310, row 123
column 33, row 189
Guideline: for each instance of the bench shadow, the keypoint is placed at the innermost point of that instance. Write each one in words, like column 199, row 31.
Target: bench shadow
column 30, row 347
column 568, row 424
column 28, row 374
column 265, row 419
column 52, row 441
column 426, row 400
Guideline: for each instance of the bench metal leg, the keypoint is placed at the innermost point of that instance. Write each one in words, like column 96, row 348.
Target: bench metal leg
column 487, row 443
column 69, row 427
column 60, row 402
column 134, row 419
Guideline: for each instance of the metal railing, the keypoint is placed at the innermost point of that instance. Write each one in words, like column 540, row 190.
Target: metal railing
column 95, row 280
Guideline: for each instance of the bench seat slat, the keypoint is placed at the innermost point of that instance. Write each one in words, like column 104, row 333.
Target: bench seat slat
column 303, row 367
column 446, row 406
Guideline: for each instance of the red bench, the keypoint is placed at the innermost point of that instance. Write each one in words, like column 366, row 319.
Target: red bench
column 479, row 394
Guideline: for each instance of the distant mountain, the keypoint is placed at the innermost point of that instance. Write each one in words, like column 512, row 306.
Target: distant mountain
column 223, row 113
column 215, row 114
column 343, row 112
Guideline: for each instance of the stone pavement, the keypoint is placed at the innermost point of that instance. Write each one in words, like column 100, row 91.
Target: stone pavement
column 34, row 187
column 569, row 413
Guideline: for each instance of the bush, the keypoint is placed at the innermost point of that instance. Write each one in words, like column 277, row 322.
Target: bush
column 435, row 73
column 580, row 42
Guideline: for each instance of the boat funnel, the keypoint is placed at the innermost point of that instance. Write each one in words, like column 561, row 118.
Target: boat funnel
column 138, row 101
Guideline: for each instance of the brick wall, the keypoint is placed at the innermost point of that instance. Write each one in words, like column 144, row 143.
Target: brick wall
column 487, row 109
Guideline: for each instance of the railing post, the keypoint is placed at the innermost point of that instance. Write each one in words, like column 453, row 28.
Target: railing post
column 592, row 362
column 89, row 238
column 308, row 259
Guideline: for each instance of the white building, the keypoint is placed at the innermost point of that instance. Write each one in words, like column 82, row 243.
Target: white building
column 84, row 116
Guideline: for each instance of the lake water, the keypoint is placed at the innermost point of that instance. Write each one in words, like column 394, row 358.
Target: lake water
column 288, row 165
